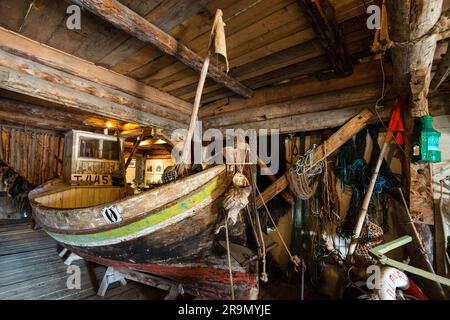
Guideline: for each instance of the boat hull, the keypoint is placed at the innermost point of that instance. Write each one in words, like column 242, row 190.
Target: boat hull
column 173, row 240
column 182, row 241
column 206, row 278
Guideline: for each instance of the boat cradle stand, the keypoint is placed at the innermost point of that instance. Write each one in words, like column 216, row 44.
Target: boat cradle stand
column 70, row 258
column 114, row 275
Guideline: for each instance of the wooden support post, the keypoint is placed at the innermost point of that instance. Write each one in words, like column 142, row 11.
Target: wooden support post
column 33, row 158
column 12, row 159
column 133, row 151
column 20, row 151
column 9, row 137
column 123, row 171
column 421, row 195
column 2, row 157
column 411, row 23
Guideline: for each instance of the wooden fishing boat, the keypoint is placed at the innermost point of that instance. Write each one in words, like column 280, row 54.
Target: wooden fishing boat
column 167, row 231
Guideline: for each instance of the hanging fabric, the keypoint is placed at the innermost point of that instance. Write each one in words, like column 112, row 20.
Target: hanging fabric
column 382, row 41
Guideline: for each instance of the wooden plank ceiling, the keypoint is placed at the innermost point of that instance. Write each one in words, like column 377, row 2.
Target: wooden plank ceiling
column 269, row 42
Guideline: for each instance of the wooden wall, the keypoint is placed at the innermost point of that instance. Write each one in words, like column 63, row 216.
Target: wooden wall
column 34, row 154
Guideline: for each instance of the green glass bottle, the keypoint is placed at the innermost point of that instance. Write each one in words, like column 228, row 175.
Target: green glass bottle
column 429, row 141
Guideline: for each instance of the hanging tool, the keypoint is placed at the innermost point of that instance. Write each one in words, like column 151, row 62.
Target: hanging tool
column 396, row 130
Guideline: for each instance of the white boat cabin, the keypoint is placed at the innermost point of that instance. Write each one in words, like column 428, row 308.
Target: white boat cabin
column 93, row 159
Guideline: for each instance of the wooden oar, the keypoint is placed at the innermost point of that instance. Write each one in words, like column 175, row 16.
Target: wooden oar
column 365, row 205
column 395, row 127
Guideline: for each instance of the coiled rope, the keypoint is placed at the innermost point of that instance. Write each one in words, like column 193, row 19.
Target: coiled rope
column 302, row 176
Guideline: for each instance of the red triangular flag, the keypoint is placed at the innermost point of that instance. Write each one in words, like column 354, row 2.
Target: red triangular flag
column 396, row 125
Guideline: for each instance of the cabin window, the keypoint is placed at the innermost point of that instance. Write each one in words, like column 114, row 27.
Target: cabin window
column 98, row 149
column 110, row 150
column 89, row 148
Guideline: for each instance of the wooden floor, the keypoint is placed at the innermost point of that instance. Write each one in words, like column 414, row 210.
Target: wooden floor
column 30, row 268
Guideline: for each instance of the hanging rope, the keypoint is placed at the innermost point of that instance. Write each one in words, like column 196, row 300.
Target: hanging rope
column 304, row 164
column 302, row 177
column 264, row 276
column 294, row 259
column 229, row 259
column 329, row 194
column 441, row 30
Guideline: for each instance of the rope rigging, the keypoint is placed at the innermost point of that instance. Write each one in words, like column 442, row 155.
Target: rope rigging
column 293, row 258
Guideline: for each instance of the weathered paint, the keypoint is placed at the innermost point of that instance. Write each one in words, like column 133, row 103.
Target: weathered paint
column 202, row 280
column 164, row 218
column 81, row 218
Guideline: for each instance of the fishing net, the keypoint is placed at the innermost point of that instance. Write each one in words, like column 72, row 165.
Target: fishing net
column 371, row 236
column 354, row 173
column 169, row 174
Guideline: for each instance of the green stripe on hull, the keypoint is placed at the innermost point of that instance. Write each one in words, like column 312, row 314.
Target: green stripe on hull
column 146, row 223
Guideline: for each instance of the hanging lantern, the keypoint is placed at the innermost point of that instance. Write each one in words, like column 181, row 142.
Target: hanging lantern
column 429, row 141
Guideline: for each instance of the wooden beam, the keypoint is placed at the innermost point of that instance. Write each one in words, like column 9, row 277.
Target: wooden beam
column 36, row 115
column 150, row 144
column 322, row 102
column 285, row 194
column 27, row 120
column 366, row 73
column 271, row 192
column 34, row 79
column 123, row 18
column 334, row 118
column 442, row 72
column 21, row 46
column 340, row 137
column 309, row 67
column 321, row 15
column 303, row 122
